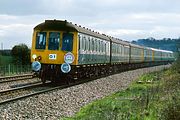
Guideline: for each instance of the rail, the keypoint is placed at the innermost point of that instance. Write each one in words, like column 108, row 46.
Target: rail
column 15, row 78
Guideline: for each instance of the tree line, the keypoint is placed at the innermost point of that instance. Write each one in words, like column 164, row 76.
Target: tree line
column 165, row 43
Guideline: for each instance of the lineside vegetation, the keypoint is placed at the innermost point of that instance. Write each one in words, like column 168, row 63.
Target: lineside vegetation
column 152, row 96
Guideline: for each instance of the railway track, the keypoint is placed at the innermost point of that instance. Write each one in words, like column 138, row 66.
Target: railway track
column 10, row 95
column 15, row 78
column 23, row 92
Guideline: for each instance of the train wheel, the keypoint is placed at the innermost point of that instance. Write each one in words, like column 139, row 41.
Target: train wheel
column 43, row 80
column 43, row 77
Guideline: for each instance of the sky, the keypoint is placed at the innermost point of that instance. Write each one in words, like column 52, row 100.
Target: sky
column 125, row 19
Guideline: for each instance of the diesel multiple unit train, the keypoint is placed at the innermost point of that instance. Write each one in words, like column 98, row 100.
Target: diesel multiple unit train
column 62, row 51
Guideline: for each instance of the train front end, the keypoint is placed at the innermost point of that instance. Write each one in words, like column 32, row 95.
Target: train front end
column 54, row 49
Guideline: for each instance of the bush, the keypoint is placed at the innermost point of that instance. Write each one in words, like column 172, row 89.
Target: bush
column 21, row 54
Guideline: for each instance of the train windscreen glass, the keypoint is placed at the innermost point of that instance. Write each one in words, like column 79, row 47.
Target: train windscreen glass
column 67, row 43
column 41, row 40
column 54, row 39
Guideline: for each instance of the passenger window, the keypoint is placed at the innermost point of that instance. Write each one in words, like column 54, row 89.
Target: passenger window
column 122, row 50
column 80, row 42
column 95, row 45
column 67, row 43
column 116, row 48
column 105, row 47
column 92, row 44
column 108, row 47
column 99, row 46
column 83, row 42
column 40, row 40
column 87, row 44
column 54, row 39
column 104, row 44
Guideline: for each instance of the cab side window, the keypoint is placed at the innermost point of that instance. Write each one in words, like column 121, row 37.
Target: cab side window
column 67, row 42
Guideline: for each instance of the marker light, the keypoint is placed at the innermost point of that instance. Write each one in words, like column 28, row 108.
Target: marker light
column 34, row 56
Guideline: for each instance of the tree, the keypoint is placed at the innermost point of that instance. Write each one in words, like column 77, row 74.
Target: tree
column 21, row 54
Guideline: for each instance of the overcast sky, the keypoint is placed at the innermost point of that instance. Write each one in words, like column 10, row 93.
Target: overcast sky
column 126, row 19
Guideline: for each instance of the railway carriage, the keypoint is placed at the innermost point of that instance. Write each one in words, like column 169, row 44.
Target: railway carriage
column 93, row 49
column 63, row 50
column 170, row 56
column 162, row 55
column 119, row 51
column 136, row 53
column 157, row 55
column 166, row 55
column 148, row 54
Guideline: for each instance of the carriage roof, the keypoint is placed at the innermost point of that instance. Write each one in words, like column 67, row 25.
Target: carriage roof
column 67, row 26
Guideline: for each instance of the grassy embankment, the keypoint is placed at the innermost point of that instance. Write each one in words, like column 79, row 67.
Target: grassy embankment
column 153, row 96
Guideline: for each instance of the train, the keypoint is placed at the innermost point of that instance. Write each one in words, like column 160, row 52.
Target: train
column 65, row 52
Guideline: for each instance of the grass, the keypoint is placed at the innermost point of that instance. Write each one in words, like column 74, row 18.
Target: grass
column 8, row 68
column 5, row 60
column 153, row 96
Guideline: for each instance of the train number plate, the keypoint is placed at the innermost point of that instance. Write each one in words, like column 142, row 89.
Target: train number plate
column 52, row 56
